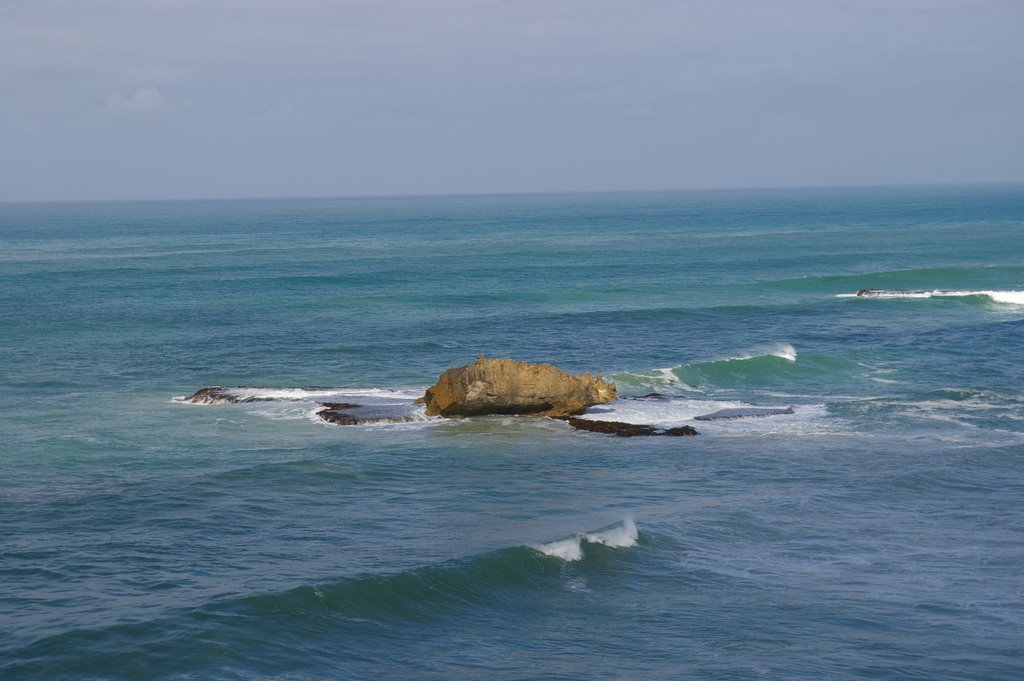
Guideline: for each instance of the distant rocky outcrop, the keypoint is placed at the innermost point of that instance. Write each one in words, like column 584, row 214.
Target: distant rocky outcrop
column 505, row 386
column 906, row 293
column 627, row 429
column 218, row 395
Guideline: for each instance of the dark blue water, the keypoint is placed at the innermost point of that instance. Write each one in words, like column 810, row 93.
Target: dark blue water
column 877, row 532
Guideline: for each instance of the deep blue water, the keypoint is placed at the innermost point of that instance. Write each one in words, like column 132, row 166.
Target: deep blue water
column 875, row 533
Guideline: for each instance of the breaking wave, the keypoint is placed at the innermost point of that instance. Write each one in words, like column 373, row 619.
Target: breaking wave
column 978, row 279
column 1000, row 297
column 781, row 350
column 758, row 364
column 622, row 534
column 351, row 611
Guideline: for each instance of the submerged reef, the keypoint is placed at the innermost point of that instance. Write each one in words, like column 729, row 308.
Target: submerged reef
column 744, row 412
column 219, row 395
column 345, row 414
column 627, row 429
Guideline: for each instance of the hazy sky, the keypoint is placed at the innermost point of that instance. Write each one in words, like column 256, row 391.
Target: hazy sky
column 104, row 99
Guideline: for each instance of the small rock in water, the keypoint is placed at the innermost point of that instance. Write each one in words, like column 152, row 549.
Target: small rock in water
column 681, row 430
column 339, row 406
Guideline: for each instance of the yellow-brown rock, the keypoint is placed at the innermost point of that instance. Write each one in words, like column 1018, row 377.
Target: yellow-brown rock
column 505, row 386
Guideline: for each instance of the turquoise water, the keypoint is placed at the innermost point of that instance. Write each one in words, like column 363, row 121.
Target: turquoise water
column 875, row 533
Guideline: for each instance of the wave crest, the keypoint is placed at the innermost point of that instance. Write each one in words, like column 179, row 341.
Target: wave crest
column 781, row 350
column 622, row 534
column 761, row 363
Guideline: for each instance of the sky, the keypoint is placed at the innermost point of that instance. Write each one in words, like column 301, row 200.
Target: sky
column 165, row 99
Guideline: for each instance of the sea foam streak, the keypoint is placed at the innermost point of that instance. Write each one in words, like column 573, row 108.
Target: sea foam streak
column 622, row 534
column 1003, row 297
column 391, row 406
column 268, row 394
column 781, row 350
column 679, row 411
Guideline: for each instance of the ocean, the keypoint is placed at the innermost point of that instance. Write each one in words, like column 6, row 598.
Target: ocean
column 875, row 532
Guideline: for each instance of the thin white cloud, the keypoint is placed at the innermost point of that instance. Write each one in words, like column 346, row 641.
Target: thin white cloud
column 145, row 100
column 314, row 97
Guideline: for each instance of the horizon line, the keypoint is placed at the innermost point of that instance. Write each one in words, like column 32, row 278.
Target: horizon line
column 457, row 195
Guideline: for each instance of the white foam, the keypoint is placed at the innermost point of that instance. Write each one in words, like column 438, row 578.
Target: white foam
column 663, row 378
column 622, row 534
column 307, row 394
column 669, row 413
column 1002, row 297
column 1007, row 297
column 785, row 351
column 667, row 375
column 781, row 350
column 666, row 378
column 288, row 404
column 657, row 412
column 569, row 549
column 679, row 411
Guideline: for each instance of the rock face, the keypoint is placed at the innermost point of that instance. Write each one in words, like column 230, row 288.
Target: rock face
column 505, row 386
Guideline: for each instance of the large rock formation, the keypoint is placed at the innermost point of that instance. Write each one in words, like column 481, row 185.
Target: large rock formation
column 505, row 386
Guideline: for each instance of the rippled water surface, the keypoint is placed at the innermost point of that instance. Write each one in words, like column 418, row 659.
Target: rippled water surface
column 875, row 532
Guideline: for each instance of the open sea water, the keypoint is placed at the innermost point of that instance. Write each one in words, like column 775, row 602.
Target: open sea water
column 876, row 532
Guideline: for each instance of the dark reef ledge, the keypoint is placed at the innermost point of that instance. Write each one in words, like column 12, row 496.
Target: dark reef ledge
column 626, row 429
column 744, row 412
column 345, row 414
column 220, row 395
